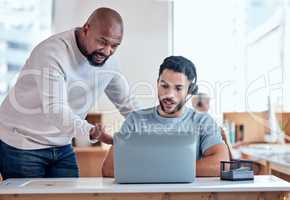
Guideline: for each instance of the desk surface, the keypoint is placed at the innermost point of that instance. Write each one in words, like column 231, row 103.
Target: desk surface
column 274, row 153
column 107, row 185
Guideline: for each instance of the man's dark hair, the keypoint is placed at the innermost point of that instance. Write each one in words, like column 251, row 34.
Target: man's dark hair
column 179, row 64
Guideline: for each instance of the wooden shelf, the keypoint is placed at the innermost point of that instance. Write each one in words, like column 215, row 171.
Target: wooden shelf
column 90, row 160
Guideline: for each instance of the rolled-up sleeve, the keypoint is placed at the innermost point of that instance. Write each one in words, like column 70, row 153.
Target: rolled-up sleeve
column 209, row 133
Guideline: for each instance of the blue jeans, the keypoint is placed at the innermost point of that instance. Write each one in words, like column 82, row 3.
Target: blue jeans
column 40, row 163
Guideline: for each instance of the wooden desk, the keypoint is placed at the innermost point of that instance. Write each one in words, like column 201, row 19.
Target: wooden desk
column 263, row 187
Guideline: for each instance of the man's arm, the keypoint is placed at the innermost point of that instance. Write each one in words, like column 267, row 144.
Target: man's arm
column 118, row 92
column 212, row 147
column 108, row 164
column 50, row 80
column 209, row 165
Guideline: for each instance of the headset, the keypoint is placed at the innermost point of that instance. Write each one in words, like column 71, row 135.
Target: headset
column 192, row 90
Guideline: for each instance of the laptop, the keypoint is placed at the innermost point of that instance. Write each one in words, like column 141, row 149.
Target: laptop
column 153, row 158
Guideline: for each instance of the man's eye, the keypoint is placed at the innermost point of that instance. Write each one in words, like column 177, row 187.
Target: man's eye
column 101, row 42
column 114, row 46
column 178, row 89
column 164, row 86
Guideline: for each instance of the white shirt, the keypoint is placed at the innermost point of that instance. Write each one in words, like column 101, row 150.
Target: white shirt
column 55, row 90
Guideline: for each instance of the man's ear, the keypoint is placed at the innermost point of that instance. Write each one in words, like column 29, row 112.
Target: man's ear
column 85, row 28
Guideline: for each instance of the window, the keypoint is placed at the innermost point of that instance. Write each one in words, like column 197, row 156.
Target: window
column 23, row 24
column 204, row 31
column 233, row 44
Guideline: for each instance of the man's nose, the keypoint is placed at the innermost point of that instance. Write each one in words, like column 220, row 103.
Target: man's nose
column 107, row 50
column 170, row 93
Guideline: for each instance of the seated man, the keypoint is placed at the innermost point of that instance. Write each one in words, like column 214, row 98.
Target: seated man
column 177, row 79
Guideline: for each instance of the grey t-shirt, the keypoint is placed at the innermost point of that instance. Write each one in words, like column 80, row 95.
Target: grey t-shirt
column 148, row 121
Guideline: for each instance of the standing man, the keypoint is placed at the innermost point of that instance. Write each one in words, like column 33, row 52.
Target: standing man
column 59, row 83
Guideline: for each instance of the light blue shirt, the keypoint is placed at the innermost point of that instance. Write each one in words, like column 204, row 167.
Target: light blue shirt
column 148, row 121
column 55, row 90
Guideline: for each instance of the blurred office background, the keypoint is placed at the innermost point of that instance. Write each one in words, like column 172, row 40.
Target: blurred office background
column 240, row 48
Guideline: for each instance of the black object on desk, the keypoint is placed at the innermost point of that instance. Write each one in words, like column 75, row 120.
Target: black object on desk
column 237, row 170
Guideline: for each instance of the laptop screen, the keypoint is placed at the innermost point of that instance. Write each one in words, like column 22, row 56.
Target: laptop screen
column 154, row 157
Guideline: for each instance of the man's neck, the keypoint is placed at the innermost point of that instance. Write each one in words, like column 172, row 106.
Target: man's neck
column 170, row 115
column 78, row 41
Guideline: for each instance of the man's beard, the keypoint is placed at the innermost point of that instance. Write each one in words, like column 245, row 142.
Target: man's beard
column 177, row 107
column 91, row 58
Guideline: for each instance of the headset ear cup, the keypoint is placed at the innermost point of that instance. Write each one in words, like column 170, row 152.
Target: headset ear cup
column 190, row 88
column 195, row 90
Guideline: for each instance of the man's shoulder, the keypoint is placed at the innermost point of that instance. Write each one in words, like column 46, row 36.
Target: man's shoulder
column 55, row 43
column 113, row 64
column 201, row 117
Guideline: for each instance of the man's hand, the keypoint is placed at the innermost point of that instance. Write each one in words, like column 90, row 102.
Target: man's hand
column 99, row 133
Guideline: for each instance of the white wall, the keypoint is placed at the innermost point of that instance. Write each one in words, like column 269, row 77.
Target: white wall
column 209, row 42
column 146, row 42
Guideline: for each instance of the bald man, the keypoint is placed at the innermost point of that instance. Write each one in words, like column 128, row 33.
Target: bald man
column 59, row 83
